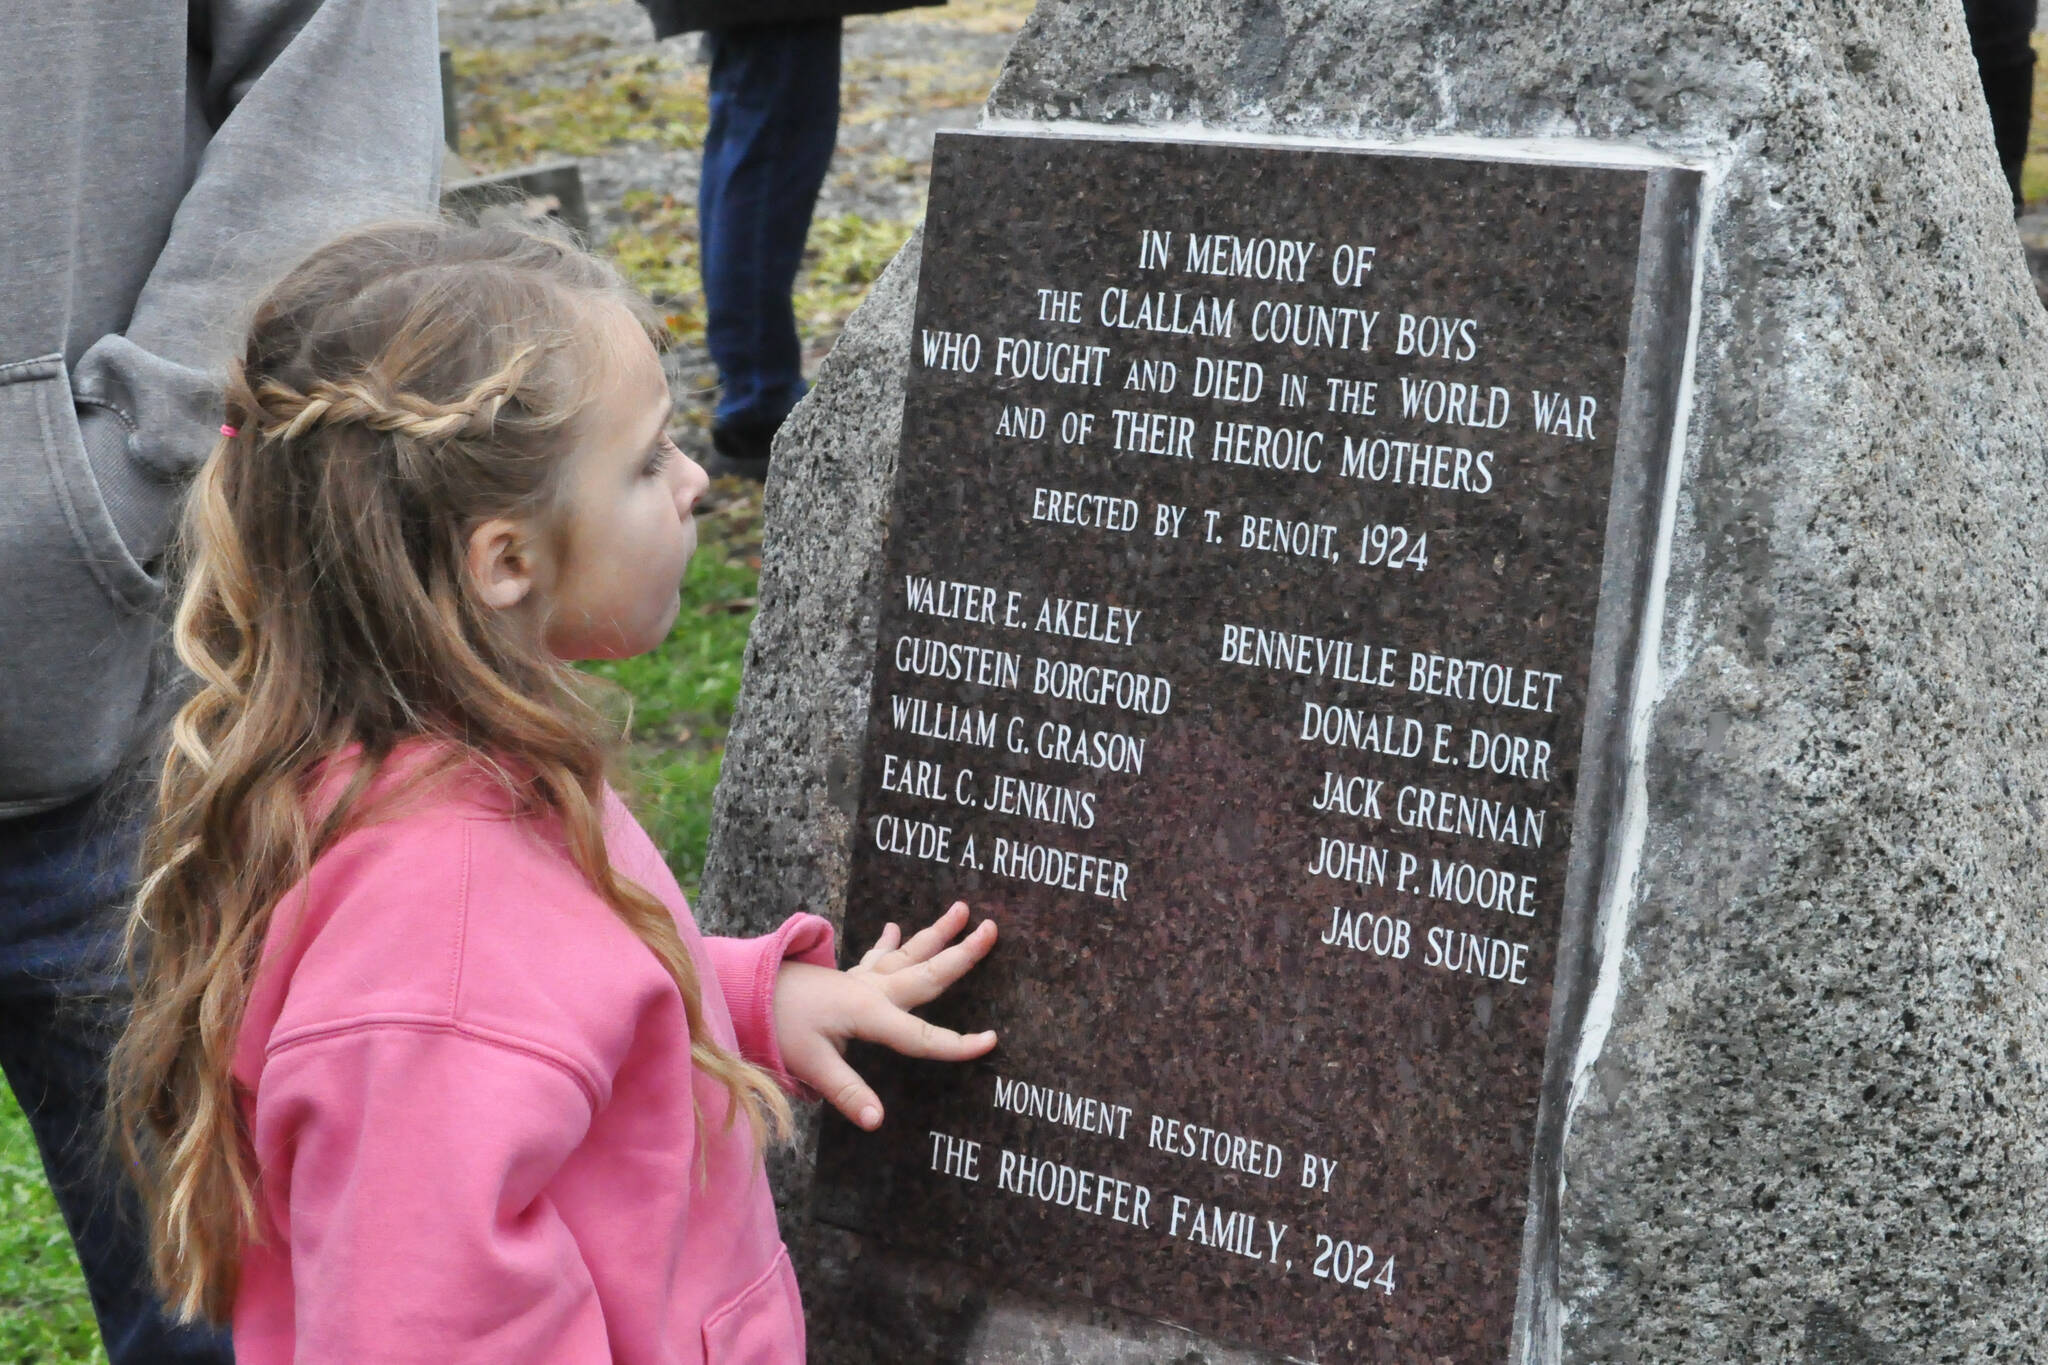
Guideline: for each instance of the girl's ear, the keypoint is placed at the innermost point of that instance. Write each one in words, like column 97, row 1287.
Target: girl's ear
column 500, row 562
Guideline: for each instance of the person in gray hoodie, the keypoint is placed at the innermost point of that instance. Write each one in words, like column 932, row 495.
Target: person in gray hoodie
column 159, row 161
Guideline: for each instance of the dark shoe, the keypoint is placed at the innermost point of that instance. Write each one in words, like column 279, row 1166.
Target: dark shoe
column 741, row 451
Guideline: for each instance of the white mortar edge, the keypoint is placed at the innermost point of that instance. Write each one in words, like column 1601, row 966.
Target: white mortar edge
column 1617, row 906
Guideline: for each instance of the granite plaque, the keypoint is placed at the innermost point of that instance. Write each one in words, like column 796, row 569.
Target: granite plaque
column 1262, row 586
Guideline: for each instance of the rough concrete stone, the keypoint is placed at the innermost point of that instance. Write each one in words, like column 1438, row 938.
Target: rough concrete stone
column 1815, row 1129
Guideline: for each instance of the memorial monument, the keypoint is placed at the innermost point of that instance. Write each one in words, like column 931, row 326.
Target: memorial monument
column 1465, row 591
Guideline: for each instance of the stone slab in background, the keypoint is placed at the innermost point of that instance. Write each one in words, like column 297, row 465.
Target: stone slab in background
column 549, row 189
column 1809, row 1121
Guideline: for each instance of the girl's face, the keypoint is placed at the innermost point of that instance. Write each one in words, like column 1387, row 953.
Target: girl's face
column 626, row 532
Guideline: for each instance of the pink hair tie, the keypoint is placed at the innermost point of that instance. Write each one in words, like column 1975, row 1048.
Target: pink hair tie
column 227, row 430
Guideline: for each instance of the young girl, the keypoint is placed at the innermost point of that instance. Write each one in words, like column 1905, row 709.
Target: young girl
column 428, row 1060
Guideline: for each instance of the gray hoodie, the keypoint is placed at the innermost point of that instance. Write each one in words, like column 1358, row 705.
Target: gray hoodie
column 160, row 160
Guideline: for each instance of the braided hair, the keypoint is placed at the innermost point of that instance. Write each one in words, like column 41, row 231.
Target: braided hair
column 402, row 385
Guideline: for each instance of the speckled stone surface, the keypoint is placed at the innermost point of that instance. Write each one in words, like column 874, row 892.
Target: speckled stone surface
column 1813, row 1128
column 1320, row 1070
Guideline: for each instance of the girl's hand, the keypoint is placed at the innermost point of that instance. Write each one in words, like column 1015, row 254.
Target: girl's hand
column 817, row 1010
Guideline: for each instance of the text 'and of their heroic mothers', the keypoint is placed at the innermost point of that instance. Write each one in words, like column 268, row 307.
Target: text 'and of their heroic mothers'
column 1236, row 650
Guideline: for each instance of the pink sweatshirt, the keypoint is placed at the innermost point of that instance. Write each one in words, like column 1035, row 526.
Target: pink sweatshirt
column 469, row 1087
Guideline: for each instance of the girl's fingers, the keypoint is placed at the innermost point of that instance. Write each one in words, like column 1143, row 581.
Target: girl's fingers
column 843, row 1089
column 926, row 981
column 915, row 1037
column 930, row 939
column 884, row 946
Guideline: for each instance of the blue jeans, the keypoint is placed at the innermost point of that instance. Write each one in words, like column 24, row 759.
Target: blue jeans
column 64, row 876
column 774, row 119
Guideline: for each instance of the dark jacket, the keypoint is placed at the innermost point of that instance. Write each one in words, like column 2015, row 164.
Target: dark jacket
column 687, row 16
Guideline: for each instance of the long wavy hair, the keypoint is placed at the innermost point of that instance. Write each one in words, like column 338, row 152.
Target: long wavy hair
column 401, row 386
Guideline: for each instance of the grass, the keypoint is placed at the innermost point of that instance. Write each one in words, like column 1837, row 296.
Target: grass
column 44, row 1316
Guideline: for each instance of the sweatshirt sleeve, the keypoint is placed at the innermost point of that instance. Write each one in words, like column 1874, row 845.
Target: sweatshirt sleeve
column 746, row 969
column 316, row 115
column 412, row 1163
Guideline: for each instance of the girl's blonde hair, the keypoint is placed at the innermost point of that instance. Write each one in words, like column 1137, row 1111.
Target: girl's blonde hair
column 404, row 384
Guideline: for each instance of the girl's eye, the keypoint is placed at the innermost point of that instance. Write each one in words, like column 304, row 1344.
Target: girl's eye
column 657, row 459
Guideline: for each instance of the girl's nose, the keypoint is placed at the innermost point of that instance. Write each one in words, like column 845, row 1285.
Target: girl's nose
column 690, row 483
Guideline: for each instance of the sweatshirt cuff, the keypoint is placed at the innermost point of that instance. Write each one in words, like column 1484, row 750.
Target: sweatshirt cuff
column 747, row 968
column 142, row 503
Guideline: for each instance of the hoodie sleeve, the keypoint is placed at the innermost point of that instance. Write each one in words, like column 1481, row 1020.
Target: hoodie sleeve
column 314, row 115
column 746, row 969
column 411, row 1164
